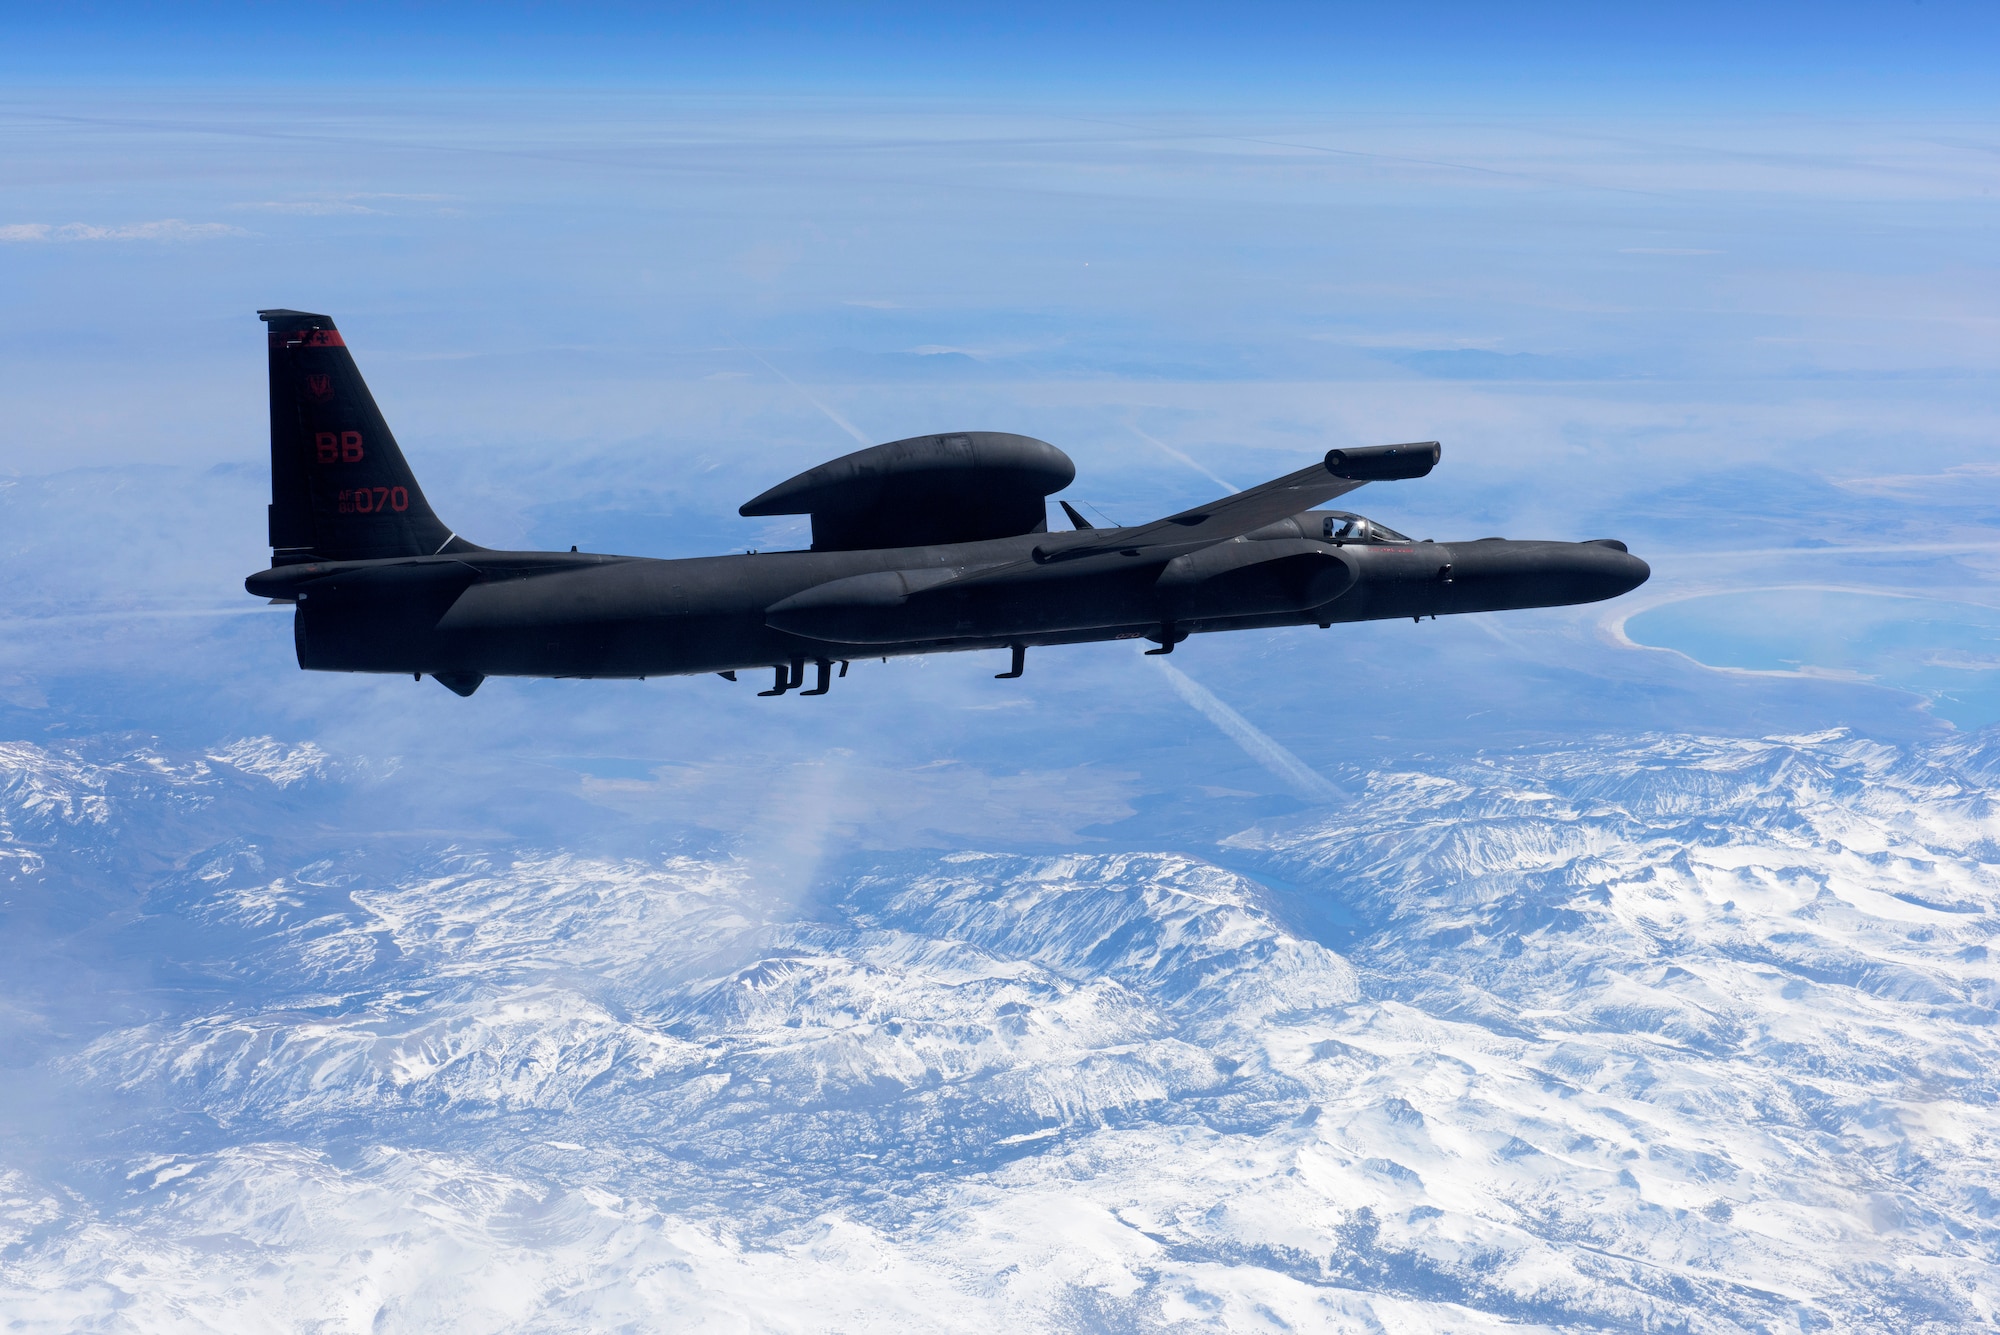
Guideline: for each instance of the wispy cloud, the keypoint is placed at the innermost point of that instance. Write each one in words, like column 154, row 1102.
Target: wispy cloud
column 1912, row 485
column 315, row 208
column 330, row 205
column 163, row 229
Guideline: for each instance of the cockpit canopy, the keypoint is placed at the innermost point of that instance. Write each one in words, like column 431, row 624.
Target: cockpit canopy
column 1339, row 526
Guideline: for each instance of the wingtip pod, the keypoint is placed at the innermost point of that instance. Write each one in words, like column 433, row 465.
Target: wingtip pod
column 1384, row 463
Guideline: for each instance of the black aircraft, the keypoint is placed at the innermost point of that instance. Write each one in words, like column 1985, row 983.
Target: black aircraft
column 926, row 545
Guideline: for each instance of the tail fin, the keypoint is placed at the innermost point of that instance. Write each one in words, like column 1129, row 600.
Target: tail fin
column 340, row 490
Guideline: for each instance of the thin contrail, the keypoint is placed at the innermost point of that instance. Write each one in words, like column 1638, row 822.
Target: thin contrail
column 1173, row 453
column 147, row 614
column 806, row 394
column 1258, row 745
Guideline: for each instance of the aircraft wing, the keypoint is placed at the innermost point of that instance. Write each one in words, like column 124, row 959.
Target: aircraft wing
column 1205, row 525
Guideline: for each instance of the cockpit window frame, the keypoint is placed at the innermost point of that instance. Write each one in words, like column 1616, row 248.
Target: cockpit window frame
column 1354, row 528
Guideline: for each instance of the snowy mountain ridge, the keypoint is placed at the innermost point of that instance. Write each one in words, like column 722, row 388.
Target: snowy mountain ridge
column 1665, row 1032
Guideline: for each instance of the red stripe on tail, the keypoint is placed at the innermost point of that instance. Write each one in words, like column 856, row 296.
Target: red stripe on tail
column 307, row 338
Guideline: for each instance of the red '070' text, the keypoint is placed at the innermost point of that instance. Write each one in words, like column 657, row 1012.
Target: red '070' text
column 374, row 500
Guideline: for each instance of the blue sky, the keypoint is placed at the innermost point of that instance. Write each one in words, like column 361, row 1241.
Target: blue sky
column 1449, row 56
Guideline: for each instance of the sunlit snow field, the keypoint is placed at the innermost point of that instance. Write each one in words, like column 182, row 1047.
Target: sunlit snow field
column 1621, row 967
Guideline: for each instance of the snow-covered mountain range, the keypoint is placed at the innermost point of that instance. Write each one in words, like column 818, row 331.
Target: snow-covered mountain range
column 1664, row 1032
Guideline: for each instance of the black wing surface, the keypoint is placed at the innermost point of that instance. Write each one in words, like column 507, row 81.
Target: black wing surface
column 1231, row 517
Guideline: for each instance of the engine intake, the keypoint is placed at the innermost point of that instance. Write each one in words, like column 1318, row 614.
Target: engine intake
column 1253, row 579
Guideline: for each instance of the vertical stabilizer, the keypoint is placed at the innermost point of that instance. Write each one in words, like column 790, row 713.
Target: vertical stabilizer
column 340, row 490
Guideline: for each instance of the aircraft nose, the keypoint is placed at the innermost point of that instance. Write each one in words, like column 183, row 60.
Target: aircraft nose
column 1614, row 569
column 1637, row 572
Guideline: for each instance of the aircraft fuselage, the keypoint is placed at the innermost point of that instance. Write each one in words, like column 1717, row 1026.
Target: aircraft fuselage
column 565, row 614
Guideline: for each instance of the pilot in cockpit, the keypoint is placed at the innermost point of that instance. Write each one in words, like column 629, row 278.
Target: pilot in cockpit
column 1343, row 527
